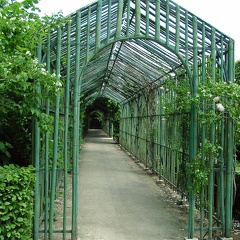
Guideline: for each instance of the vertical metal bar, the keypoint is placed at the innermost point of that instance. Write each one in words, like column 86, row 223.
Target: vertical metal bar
column 167, row 22
column 119, row 18
column 98, row 28
column 76, row 130
column 203, row 136
column 147, row 18
column 46, row 184
column 36, row 132
column 109, row 21
column 222, row 180
column 128, row 17
column 157, row 20
column 212, row 141
column 88, row 33
column 55, row 138
column 138, row 17
column 193, row 129
column 222, row 65
column 230, row 144
column 161, row 112
column 223, row 141
column 186, row 37
column 66, row 120
column 177, row 28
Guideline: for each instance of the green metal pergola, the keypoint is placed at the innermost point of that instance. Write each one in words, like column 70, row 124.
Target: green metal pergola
column 117, row 50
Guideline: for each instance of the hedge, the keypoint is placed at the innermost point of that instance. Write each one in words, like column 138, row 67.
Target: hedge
column 16, row 202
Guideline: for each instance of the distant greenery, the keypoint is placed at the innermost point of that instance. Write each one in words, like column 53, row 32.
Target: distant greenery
column 114, row 113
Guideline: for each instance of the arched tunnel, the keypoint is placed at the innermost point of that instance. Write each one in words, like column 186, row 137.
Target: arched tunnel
column 135, row 69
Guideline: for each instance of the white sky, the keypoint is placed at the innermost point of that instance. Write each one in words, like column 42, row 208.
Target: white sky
column 223, row 15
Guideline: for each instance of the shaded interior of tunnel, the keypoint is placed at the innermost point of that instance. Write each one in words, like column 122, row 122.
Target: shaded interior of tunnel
column 102, row 113
column 94, row 121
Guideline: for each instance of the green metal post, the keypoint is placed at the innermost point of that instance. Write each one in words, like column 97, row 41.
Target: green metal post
column 128, row 16
column 147, row 18
column 76, row 130
column 55, row 139
column 222, row 60
column 37, row 160
column 230, row 144
column 157, row 21
column 98, row 27
column 138, row 17
column 203, row 136
column 186, row 37
column 109, row 20
column 193, row 130
column 167, row 22
column 88, row 34
column 177, row 28
column 212, row 141
column 222, row 180
column 66, row 120
column 46, row 183
column 119, row 19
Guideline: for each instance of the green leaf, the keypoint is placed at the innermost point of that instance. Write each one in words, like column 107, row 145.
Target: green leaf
column 20, row 219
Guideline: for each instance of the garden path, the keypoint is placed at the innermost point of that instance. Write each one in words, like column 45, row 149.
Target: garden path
column 118, row 200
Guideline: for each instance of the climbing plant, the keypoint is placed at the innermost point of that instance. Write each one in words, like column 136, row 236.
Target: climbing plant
column 114, row 113
column 215, row 100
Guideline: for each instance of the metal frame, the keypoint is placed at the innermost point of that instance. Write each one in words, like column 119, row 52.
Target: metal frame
column 114, row 49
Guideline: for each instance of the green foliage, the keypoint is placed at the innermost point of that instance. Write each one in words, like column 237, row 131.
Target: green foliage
column 177, row 98
column 23, row 80
column 114, row 113
column 198, row 174
column 16, row 202
column 237, row 168
column 220, row 98
column 237, row 71
column 114, row 110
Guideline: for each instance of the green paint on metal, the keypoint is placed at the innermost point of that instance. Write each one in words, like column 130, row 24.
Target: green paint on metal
column 98, row 28
column 76, row 136
column 66, row 131
column 193, row 130
column 46, row 182
column 55, row 139
column 119, row 19
column 138, row 17
column 36, row 135
column 157, row 22
column 230, row 145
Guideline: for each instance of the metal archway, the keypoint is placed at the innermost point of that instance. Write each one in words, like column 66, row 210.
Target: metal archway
column 90, row 55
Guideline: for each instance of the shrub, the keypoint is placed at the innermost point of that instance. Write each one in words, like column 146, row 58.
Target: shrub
column 16, row 202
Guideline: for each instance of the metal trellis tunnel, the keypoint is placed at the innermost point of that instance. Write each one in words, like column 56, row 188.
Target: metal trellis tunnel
column 128, row 51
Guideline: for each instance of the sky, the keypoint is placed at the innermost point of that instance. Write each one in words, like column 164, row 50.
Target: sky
column 223, row 15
